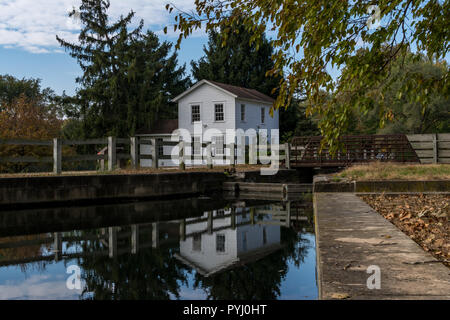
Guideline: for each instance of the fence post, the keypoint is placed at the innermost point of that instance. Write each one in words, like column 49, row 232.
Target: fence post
column 240, row 149
column 233, row 218
column 288, row 214
column 252, row 147
column 183, row 230
column 209, row 223
column 134, row 150
column 182, row 166
column 134, row 238
column 57, row 245
column 112, row 241
column 155, row 235
column 155, row 158
column 57, row 156
column 435, row 148
column 287, row 152
column 209, row 163
column 232, row 154
column 112, row 155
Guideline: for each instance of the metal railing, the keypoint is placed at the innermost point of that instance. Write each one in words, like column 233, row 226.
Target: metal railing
column 308, row 152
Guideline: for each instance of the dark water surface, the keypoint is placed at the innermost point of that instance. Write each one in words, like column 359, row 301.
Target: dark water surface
column 198, row 248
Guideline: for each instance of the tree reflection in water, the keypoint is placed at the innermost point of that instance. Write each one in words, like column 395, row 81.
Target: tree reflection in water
column 260, row 279
column 155, row 274
column 151, row 274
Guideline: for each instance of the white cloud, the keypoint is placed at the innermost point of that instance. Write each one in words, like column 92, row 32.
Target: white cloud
column 33, row 24
column 38, row 287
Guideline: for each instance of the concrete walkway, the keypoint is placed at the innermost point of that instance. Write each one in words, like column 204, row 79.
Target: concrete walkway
column 351, row 236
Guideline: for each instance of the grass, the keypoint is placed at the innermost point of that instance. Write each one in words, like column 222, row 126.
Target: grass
column 395, row 171
column 217, row 168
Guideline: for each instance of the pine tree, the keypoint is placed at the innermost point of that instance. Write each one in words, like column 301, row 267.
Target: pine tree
column 127, row 79
column 238, row 63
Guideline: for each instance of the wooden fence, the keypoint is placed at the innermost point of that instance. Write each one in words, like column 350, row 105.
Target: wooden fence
column 234, row 154
column 431, row 148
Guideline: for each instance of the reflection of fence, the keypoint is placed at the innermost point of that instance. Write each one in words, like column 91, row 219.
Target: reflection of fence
column 431, row 148
column 110, row 238
column 232, row 153
column 307, row 151
column 114, row 241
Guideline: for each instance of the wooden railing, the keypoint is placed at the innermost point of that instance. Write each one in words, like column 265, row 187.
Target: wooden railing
column 232, row 153
column 431, row 148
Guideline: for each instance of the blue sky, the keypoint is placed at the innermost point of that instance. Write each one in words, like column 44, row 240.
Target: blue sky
column 28, row 46
column 59, row 70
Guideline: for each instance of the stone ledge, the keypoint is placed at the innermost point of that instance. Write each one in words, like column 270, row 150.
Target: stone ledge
column 324, row 184
column 351, row 236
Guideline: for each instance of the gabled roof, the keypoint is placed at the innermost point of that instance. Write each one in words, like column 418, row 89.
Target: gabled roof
column 235, row 91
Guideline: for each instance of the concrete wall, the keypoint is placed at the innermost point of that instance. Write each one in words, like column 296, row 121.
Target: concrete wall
column 323, row 184
column 94, row 188
column 68, row 218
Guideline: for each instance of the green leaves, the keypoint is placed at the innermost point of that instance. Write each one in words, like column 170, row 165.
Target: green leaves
column 331, row 33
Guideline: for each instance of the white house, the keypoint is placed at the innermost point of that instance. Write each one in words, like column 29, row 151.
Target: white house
column 218, row 106
column 222, row 106
column 225, row 246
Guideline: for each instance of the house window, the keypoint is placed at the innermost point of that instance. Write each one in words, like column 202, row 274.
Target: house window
column 196, row 146
column 220, row 243
column 263, row 114
column 160, row 147
column 242, row 112
column 219, row 145
column 195, row 113
column 197, row 242
column 218, row 111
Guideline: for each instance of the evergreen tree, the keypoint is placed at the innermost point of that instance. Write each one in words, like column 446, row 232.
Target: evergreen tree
column 238, row 63
column 127, row 79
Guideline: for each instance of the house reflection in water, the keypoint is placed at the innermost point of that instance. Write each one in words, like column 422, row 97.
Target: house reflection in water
column 225, row 238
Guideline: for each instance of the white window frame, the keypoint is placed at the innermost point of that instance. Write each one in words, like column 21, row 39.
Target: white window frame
column 242, row 112
column 216, row 104
column 199, row 112
column 224, row 243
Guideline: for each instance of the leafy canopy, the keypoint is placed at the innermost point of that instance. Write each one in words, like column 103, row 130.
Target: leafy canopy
column 407, row 113
column 312, row 36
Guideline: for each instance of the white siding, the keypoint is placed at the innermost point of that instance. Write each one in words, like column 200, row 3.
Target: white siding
column 206, row 96
column 208, row 258
column 253, row 116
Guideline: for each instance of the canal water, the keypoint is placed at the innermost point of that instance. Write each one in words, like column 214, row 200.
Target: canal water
column 202, row 248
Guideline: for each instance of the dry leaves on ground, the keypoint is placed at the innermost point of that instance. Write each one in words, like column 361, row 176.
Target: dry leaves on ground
column 424, row 218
